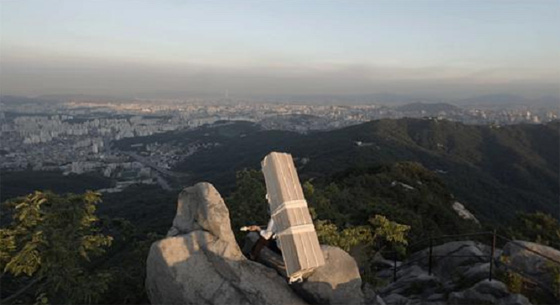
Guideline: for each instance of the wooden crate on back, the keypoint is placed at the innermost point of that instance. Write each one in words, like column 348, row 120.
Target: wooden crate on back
column 295, row 231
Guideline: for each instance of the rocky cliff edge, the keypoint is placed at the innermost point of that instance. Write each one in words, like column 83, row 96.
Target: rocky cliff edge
column 201, row 263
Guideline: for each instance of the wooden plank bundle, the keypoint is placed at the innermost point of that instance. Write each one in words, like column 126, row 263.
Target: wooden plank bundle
column 295, row 231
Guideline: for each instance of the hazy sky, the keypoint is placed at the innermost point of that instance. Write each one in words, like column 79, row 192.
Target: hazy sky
column 442, row 48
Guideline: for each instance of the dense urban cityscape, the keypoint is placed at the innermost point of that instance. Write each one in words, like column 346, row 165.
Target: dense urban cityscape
column 76, row 136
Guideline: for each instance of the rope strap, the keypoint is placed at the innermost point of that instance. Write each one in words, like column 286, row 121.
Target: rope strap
column 297, row 229
column 301, row 203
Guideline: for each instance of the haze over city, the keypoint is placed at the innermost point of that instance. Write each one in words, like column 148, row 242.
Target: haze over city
column 444, row 49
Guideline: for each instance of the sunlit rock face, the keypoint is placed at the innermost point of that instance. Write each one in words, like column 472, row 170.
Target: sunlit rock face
column 200, row 262
column 463, row 212
column 336, row 282
column 540, row 262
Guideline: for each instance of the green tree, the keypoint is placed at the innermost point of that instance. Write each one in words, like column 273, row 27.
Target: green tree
column 46, row 251
column 346, row 239
column 537, row 227
column 366, row 241
column 386, row 231
column 379, row 234
column 247, row 203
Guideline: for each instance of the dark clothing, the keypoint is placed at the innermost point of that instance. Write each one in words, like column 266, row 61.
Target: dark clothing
column 256, row 251
column 261, row 243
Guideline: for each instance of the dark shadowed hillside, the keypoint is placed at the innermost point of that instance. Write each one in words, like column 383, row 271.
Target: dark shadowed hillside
column 495, row 171
column 19, row 183
column 405, row 192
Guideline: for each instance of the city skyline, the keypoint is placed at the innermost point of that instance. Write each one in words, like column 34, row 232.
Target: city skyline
column 249, row 48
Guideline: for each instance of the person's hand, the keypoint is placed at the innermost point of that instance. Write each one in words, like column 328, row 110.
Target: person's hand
column 253, row 228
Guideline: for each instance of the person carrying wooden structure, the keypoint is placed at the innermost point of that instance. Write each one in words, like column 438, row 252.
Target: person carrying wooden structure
column 290, row 222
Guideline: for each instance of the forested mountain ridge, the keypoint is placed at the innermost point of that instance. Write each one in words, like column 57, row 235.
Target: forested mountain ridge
column 489, row 168
column 509, row 168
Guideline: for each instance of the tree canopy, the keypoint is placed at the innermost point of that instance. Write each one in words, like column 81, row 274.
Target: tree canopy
column 48, row 249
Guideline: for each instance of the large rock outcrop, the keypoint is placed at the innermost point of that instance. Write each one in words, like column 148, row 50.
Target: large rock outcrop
column 539, row 263
column 460, row 272
column 454, row 259
column 201, row 207
column 337, row 282
column 201, row 263
column 487, row 292
column 531, row 259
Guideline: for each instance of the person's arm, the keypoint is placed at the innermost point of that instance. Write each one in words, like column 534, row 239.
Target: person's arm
column 270, row 230
column 251, row 228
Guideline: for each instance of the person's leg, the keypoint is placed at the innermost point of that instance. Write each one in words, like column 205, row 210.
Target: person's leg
column 261, row 243
column 274, row 247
